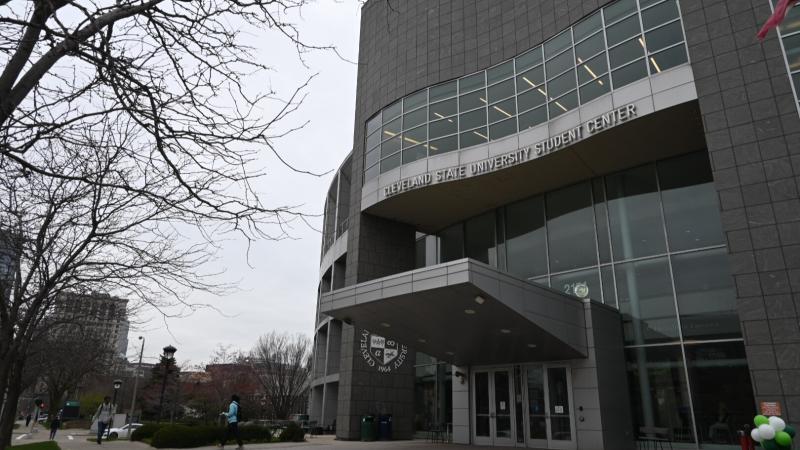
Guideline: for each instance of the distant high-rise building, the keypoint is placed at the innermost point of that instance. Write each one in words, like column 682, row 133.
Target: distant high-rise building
column 100, row 314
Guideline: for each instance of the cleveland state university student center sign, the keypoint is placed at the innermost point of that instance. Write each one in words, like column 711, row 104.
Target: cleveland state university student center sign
column 541, row 148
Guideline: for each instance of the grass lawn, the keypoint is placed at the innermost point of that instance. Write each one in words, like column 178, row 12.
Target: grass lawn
column 46, row 445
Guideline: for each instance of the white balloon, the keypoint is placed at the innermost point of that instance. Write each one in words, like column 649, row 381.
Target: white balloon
column 766, row 432
column 754, row 434
column 777, row 423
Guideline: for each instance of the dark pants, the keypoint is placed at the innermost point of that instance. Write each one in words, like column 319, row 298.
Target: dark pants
column 233, row 430
column 53, row 428
column 101, row 428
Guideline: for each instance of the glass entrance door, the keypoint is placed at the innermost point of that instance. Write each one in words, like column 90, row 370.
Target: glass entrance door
column 549, row 399
column 493, row 407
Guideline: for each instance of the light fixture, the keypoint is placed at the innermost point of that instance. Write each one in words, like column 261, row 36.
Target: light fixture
column 117, row 384
column 169, row 351
column 505, row 330
column 469, row 311
column 385, row 325
column 531, row 345
column 421, row 341
column 479, row 300
column 449, row 353
column 655, row 64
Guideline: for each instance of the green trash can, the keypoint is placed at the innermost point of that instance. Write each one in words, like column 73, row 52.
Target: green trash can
column 367, row 428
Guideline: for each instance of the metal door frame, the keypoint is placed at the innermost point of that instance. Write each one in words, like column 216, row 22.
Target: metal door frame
column 493, row 440
column 549, row 443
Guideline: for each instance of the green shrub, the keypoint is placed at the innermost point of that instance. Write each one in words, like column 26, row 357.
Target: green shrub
column 255, row 433
column 292, row 433
column 183, row 436
column 46, row 445
column 146, row 431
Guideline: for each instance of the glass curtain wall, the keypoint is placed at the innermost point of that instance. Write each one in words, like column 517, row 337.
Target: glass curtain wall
column 790, row 40
column 433, row 395
column 632, row 39
column 648, row 241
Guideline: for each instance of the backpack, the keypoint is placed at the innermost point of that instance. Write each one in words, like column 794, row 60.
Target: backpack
column 239, row 416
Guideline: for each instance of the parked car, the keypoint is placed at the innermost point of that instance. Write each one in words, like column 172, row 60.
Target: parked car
column 122, row 432
column 42, row 417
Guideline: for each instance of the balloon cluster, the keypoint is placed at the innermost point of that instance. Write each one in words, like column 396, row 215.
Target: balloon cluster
column 772, row 433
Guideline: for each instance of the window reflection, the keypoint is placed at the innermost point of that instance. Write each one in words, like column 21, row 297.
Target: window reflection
column 480, row 239
column 634, row 213
column 644, row 293
column 570, row 228
column 526, row 248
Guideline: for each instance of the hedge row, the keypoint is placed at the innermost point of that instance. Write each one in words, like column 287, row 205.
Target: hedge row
column 183, row 436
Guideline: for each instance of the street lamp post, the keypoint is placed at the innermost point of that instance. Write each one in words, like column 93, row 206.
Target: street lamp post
column 135, row 385
column 169, row 353
column 117, row 385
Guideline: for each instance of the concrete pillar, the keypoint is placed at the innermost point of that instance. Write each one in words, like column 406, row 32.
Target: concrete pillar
column 461, row 406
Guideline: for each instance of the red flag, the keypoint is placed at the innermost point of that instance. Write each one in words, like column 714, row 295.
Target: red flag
column 781, row 9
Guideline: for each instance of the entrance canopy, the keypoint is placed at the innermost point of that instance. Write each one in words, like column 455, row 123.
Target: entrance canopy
column 466, row 312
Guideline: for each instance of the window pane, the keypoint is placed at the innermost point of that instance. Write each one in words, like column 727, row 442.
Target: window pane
column 502, row 129
column 559, row 64
column 372, row 172
column 472, row 119
column 792, row 46
column 668, row 59
column 528, row 100
column 593, row 68
column 415, row 137
column 570, row 228
column 619, row 9
column 480, row 241
column 442, row 91
column 525, row 238
column 563, row 104
column 532, row 118
column 414, row 153
column 443, row 145
column 391, row 111
column 626, row 52
column 372, row 157
column 601, row 220
column 623, row 30
column 587, row 26
column 609, row 289
column 443, row 109
column 472, row 100
column 439, row 128
column 561, row 85
column 502, row 110
column 373, row 140
column 706, row 295
column 791, row 22
column 719, row 408
column 594, row 89
column 415, row 100
column 629, row 74
column 530, row 79
column 391, row 129
column 390, row 163
column 690, row 203
column 557, row 44
column 581, row 284
column 374, row 124
column 452, row 243
column 661, row 13
column 473, row 137
column 634, row 213
column 472, row 82
column 501, row 72
column 501, row 90
column 658, row 393
column 589, row 47
column 529, row 59
column 415, row 118
column 391, row 146
column 644, row 293
column 664, row 36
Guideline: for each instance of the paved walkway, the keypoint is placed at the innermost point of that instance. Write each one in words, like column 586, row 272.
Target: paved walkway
column 78, row 440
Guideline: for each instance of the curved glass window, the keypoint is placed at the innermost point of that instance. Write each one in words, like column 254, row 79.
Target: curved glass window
column 570, row 69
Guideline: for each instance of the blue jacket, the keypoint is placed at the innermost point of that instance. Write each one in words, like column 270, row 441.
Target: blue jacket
column 233, row 413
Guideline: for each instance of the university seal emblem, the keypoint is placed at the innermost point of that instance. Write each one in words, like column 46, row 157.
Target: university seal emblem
column 384, row 354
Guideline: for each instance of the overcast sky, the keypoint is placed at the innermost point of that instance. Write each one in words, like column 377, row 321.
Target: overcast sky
column 279, row 291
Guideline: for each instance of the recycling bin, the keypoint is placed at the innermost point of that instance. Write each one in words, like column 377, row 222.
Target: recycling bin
column 385, row 428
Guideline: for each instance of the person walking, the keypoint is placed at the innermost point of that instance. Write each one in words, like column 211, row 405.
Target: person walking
column 55, row 423
column 103, row 416
column 28, row 419
column 233, row 423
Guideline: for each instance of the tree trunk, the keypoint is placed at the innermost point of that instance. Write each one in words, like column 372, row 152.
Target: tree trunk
column 8, row 416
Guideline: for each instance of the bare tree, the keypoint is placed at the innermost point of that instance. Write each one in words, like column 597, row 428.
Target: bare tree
column 126, row 129
column 281, row 364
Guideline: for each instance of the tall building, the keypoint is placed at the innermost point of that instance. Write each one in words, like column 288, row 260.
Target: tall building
column 565, row 224
column 101, row 315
